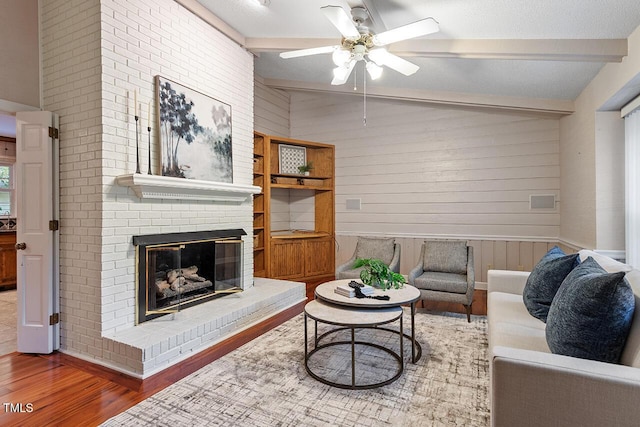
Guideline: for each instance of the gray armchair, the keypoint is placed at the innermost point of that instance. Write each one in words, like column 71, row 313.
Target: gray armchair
column 384, row 249
column 445, row 272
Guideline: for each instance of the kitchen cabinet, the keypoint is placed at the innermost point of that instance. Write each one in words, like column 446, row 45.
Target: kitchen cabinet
column 8, row 264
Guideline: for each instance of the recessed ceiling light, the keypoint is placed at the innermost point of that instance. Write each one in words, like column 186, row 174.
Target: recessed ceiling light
column 264, row 3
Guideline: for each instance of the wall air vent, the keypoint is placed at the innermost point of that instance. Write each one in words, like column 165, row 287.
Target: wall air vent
column 353, row 204
column 542, row 201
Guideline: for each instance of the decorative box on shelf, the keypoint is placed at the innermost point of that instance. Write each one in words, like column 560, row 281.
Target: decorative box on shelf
column 284, row 180
column 313, row 182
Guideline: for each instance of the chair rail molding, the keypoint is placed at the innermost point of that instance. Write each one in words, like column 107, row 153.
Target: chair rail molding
column 164, row 187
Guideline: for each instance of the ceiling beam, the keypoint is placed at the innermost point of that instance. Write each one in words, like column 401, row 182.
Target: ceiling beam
column 582, row 50
column 536, row 106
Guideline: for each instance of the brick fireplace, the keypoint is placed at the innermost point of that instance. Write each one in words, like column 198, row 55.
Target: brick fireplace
column 103, row 203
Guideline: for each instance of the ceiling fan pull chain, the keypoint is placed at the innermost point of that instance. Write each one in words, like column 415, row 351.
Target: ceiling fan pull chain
column 364, row 77
column 355, row 79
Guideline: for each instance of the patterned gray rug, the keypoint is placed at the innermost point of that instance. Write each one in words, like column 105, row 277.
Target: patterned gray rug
column 264, row 383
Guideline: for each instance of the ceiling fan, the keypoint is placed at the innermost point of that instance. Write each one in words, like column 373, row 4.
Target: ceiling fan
column 360, row 44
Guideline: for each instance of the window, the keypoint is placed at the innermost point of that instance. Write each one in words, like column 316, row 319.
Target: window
column 6, row 189
column 631, row 114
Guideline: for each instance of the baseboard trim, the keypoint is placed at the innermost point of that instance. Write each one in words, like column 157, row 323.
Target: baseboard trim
column 451, row 236
column 481, row 286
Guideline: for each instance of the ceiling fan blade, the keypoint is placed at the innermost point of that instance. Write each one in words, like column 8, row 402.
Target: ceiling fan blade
column 341, row 74
column 307, row 52
column 382, row 56
column 341, row 20
column 409, row 31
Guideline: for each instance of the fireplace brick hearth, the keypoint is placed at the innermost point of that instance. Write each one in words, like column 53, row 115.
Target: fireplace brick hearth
column 159, row 343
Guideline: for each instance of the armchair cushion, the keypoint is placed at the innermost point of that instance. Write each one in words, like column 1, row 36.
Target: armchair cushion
column 377, row 248
column 447, row 256
column 443, row 282
column 353, row 273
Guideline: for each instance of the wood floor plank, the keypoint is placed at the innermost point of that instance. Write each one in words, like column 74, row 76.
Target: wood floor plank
column 65, row 391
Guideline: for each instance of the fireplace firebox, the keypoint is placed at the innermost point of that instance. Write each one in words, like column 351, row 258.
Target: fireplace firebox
column 179, row 270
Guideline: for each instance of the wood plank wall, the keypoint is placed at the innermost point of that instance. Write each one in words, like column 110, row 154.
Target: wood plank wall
column 424, row 171
column 271, row 110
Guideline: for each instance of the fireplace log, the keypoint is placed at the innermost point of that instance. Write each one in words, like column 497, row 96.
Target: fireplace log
column 172, row 275
column 194, row 278
column 161, row 286
column 177, row 283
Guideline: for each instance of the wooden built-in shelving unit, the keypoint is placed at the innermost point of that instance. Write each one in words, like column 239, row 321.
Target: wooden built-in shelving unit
column 301, row 255
column 261, row 225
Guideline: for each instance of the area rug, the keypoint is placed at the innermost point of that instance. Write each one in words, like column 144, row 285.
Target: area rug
column 264, row 383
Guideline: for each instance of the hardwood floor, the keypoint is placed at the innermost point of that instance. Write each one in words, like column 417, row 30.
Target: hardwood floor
column 478, row 305
column 61, row 390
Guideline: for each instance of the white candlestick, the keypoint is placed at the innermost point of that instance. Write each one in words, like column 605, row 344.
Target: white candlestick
column 149, row 115
column 135, row 102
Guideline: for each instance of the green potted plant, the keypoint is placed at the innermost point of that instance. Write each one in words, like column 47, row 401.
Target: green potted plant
column 305, row 169
column 377, row 273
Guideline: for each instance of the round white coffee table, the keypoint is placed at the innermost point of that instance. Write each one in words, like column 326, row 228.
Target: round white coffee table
column 352, row 318
column 397, row 297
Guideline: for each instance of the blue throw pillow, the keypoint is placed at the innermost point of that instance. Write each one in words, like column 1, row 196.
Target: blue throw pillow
column 591, row 314
column 545, row 279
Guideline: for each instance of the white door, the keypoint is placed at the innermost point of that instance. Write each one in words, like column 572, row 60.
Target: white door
column 37, row 244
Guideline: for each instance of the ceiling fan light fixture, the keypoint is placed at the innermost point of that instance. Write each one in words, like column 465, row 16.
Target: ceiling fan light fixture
column 374, row 70
column 359, row 51
column 340, row 56
column 360, row 44
column 341, row 74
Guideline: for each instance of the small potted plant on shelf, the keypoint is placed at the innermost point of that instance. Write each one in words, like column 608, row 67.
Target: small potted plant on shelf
column 377, row 273
column 305, row 169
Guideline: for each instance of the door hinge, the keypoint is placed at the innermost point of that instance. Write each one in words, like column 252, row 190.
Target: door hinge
column 53, row 132
column 54, row 225
column 54, row 318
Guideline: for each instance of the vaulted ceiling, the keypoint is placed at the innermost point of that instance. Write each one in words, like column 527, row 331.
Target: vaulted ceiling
column 536, row 55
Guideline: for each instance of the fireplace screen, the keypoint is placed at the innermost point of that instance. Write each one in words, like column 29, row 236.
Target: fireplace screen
column 180, row 270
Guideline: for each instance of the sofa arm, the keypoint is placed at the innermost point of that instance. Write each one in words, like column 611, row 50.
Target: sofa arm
column 530, row 388
column 508, row 281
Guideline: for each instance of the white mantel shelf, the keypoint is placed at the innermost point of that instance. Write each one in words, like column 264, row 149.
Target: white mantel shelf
column 165, row 187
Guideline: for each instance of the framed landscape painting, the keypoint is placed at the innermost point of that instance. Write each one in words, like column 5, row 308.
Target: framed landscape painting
column 195, row 133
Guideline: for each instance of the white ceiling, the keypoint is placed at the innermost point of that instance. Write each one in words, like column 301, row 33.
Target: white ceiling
column 503, row 48
column 7, row 125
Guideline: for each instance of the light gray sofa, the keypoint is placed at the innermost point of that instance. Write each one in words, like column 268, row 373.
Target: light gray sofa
column 530, row 386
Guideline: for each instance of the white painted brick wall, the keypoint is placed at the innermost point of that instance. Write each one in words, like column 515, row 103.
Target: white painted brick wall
column 71, row 87
column 95, row 54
